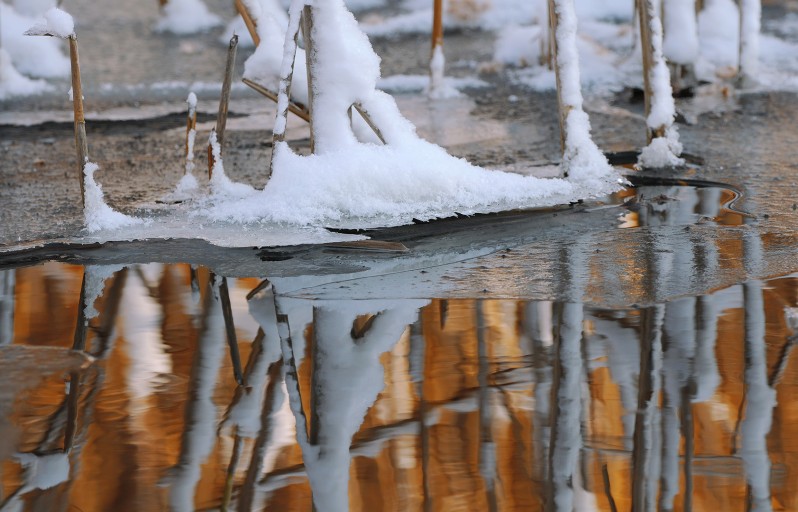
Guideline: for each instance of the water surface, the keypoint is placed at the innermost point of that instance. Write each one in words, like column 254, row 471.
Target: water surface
column 400, row 404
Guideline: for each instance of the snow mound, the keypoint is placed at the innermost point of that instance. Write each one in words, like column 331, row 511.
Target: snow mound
column 39, row 57
column 97, row 214
column 407, row 178
column 184, row 17
column 12, row 83
column 662, row 152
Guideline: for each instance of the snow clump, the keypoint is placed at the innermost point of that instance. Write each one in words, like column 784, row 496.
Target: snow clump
column 57, row 23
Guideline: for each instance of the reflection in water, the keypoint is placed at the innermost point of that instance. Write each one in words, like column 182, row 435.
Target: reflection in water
column 166, row 387
column 398, row 405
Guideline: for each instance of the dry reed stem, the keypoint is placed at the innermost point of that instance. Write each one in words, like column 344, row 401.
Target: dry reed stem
column 563, row 109
column 307, row 34
column 191, row 124
column 81, row 143
column 367, row 118
column 437, row 24
column 232, row 341
column 295, row 108
column 284, row 92
column 252, row 27
column 647, row 13
column 224, row 102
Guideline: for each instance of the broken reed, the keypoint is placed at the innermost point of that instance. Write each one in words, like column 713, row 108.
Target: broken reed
column 81, row 143
column 224, row 102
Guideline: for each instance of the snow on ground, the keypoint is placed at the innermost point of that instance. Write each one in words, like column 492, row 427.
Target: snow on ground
column 610, row 58
column 184, row 17
column 40, row 57
column 12, row 83
column 394, row 183
column 97, row 214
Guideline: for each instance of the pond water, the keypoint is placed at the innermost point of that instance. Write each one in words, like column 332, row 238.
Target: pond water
column 607, row 379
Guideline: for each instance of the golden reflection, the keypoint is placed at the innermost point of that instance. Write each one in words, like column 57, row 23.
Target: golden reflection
column 401, row 405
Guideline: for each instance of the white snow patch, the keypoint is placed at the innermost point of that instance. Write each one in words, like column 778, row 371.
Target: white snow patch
column 438, row 88
column 12, row 83
column 186, row 17
column 221, row 185
column 489, row 15
column 97, row 214
column 57, row 23
column 34, row 56
column 419, row 83
column 662, row 152
column 681, row 31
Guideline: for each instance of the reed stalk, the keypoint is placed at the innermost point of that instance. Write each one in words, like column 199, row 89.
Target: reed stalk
column 191, row 125
column 224, row 102
column 563, row 109
column 307, row 36
column 81, row 143
column 295, row 108
column 437, row 24
column 252, row 27
column 647, row 14
column 283, row 101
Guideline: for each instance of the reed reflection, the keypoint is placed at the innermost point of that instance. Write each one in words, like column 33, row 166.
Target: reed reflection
column 402, row 404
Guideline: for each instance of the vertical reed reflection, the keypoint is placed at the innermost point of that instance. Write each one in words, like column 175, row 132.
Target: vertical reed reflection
column 406, row 405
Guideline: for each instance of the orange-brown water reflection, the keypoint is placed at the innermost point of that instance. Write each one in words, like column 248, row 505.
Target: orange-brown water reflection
column 402, row 405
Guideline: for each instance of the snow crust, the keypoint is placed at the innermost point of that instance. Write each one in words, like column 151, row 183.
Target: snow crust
column 184, row 17
column 96, row 213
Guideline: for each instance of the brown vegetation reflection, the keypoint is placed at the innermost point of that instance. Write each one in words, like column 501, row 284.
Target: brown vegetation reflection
column 132, row 401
